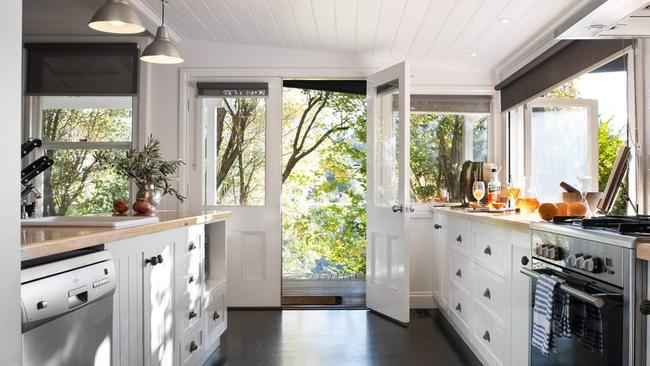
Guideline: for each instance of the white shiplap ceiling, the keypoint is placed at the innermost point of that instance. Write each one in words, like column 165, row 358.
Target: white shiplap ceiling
column 473, row 35
column 468, row 34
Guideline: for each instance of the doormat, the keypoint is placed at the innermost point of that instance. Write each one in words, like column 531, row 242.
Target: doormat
column 312, row 300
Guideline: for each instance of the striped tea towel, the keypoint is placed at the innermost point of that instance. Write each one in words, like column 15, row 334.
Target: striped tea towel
column 593, row 339
column 543, row 338
column 561, row 322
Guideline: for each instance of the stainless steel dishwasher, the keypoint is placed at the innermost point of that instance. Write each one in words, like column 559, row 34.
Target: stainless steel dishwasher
column 67, row 311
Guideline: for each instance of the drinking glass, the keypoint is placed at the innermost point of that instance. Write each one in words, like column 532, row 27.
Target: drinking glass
column 478, row 190
column 513, row 193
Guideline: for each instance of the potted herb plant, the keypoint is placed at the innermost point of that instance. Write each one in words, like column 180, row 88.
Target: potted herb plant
column 149, row 172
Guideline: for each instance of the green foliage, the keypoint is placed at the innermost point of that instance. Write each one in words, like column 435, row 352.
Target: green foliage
column 147, row 167
column 609, row 142
column 324, row 209
column 77, row 183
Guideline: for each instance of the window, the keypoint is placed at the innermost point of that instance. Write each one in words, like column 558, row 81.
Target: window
column 445, row 132
column 75, row 132
column 574, row 130
column 234, row 123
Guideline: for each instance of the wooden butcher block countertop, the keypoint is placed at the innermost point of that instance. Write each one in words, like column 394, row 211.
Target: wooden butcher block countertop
column 41, row 241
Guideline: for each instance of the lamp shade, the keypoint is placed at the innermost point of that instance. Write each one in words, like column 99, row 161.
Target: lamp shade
column 116, row 16
column 161, row 50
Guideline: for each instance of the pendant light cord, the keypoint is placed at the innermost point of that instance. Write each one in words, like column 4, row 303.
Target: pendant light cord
column 163, row 11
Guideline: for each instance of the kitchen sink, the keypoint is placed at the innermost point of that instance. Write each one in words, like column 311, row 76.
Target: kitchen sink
column 90, row 221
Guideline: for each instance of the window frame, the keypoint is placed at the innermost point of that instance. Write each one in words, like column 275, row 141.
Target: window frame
column 34, row 128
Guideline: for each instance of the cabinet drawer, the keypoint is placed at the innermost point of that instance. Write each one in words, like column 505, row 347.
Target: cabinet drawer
column 215, row 315
column 188, row 314
column 491, row 252
column 192, row 349
column 490, row 291
column 459, row 307
column 490, row 340
column 459, row 270
column 189, row 276
column 194, row 243
column 459, row 234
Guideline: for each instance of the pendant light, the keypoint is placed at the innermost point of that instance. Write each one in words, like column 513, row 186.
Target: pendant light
column 116, row 16
column 161, row 50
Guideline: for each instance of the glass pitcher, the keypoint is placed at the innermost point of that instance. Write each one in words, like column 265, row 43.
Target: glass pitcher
column 527, row 200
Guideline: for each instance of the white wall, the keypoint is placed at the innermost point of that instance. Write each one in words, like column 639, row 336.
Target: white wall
column 10, row 104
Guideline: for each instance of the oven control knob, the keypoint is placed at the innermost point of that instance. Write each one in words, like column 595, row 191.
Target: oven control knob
column 538, row 249
column 571, row 261
column 580, row 262
column 593, row 265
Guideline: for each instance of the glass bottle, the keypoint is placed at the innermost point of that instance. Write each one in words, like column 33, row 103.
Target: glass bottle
column 527, row 200
column 493, row 188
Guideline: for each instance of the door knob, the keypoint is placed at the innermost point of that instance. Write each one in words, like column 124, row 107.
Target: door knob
column 398, row 208
column 153, row 261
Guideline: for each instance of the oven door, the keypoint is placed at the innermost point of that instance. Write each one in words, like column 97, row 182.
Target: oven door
column 572, row 351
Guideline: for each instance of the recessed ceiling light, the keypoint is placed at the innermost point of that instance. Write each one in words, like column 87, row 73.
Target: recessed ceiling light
column 504, row 20
column 473, row 54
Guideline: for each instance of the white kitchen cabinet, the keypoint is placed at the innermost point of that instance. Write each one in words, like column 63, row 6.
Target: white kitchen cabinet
column 478, row 286
column 163, row 314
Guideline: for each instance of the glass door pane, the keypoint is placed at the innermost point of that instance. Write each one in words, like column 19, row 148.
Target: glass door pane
column 387, row 145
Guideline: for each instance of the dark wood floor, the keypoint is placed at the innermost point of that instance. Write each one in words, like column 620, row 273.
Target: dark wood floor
column 338, row 337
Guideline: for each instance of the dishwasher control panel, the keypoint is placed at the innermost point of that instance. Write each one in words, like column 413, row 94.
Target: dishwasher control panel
column 60, row 287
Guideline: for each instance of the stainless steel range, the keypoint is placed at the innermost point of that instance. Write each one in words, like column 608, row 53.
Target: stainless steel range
column 595, row 261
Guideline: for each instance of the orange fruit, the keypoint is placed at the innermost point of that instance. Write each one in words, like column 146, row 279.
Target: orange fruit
column 547, row 211
column 576, row 209
column 562, row 208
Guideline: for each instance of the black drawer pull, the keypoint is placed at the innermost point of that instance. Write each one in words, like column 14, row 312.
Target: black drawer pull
column 191, row 279
column 524, row 260
column 459, row 238
column 436, row 226
column 458, row 307
column 215, row 315
column 459, row 273
column 486, row 336
column 487, row 294
column 153, row 261
column 192, row 246
column 193, row 346
column 487, row 250
column 192, row 314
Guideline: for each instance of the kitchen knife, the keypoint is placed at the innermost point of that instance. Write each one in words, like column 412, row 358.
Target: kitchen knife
column 32, row 171
column 29, row 145
column 33, row 165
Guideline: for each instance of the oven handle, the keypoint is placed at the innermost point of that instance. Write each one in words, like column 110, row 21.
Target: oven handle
column 583, row 296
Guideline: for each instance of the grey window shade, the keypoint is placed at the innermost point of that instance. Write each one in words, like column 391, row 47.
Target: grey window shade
column 81, row 69
column 425, row 103
column 232, row 89
column 561, row 62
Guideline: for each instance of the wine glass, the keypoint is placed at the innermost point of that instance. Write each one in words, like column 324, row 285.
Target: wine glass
column 513, row 193
column 478, row 190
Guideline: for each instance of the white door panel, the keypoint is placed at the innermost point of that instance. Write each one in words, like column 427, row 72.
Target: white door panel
column 387, row 288
column 254, row 232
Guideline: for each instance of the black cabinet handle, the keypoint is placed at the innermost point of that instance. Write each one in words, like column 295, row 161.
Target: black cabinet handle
column 459, row 273
column 191, row 279
column 487, row 294
column 153, row 261
column 486, row 336
column 436, row 226
column 458, row 307
column 192, row 314
column 459, row 238
column 524, row 260
column 193, row 346
column 215, row 315
column 160, row 258
column 487, row 250
column 192, row 246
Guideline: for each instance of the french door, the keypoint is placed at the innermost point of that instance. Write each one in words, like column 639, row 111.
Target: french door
column 387, row 255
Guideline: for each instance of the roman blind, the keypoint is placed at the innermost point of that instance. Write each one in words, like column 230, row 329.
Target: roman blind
column 427, row 103
column 340, row 86
column 207, row 89
column 81, row 69
column 559, row 63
